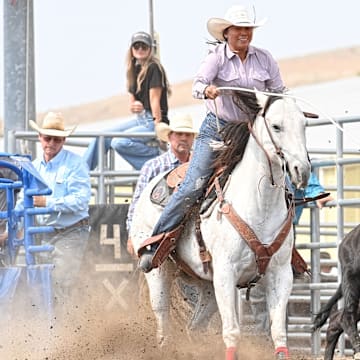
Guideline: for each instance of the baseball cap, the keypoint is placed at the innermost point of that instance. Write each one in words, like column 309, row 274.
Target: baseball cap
column 142, row 36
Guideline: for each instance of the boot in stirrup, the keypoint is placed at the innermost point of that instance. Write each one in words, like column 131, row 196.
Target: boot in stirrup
column 145, row 261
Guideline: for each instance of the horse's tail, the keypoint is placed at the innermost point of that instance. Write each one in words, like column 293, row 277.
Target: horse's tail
column 324, row 313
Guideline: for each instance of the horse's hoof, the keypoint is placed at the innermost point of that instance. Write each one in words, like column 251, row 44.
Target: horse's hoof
column 282, row 353
column 230, row 353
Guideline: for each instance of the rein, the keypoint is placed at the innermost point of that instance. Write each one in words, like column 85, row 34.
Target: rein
column 277, row 148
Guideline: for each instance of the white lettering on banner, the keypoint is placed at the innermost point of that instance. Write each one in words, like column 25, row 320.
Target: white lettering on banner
column 116, row 294
column 114, row 267
column 115, row 241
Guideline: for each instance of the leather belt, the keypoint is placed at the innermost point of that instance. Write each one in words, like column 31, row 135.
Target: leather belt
column 80, row 223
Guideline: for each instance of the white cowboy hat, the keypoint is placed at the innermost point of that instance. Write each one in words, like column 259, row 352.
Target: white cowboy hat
column 237, row 15
column 53, row 125
column 178, row 123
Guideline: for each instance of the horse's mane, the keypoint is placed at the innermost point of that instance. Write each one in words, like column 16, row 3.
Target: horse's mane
column 235, row 134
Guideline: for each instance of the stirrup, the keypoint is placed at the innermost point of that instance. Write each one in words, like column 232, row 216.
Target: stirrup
column 150, row 242
column 145, row 262
column 167, row 245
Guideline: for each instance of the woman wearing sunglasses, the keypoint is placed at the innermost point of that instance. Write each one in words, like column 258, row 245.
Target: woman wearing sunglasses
column 148, row 90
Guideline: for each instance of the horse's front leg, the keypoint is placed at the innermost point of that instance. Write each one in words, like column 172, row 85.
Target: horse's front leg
column 278, row 288
column 227, row 299
column 159, row 282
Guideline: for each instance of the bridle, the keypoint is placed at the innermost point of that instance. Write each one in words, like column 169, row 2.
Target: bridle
column 278, row 150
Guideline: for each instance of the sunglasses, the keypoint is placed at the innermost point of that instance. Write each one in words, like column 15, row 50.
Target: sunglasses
column 141, row 45
column 55, row 139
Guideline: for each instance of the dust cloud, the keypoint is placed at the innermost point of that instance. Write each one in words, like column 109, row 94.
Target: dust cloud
column 86, row 327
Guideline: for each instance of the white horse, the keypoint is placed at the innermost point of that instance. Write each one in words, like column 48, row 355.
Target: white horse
column 256, row 190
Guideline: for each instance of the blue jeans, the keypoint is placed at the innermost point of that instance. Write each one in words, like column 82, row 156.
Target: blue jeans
column 136, row 151
column 196, row 179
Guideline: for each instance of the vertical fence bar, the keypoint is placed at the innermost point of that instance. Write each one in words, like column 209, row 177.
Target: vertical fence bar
column 315, row 302
column 101, row 167
column 340, row 211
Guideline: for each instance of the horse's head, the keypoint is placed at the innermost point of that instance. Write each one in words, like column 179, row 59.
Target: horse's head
column 283, row 135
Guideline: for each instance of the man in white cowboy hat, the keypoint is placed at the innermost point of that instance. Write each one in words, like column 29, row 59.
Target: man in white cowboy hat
column 67, row 175
column 179, row 134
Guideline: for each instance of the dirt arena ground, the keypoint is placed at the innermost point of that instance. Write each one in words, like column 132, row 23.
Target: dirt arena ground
column 87, row 330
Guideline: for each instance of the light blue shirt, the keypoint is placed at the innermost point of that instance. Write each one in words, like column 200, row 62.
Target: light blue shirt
column 223, row 68
column 67, row 175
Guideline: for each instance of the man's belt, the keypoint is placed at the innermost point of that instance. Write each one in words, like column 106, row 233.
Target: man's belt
column 80, row 223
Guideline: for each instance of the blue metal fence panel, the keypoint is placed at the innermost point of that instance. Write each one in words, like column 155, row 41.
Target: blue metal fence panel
column 36, row 282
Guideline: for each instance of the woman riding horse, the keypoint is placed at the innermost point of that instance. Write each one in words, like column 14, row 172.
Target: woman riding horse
column 233, row 62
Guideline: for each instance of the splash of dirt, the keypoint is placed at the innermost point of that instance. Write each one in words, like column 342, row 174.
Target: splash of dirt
column 83, row 328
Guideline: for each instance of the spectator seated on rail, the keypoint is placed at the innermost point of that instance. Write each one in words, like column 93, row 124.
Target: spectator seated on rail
column 148, row 90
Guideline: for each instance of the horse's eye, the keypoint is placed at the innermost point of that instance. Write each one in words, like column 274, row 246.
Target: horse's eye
column 277, row 128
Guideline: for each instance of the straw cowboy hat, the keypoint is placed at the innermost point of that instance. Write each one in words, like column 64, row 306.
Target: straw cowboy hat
column 178, row 123
column 53, row 125
column 237, row 15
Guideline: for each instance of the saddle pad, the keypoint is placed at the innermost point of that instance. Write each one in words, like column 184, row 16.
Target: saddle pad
column 176, row 176
column 161, row 193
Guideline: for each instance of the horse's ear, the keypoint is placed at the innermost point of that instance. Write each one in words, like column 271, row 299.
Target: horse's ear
column 261, row 98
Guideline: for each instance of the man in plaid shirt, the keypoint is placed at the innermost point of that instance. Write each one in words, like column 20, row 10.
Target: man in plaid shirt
column 179, row 134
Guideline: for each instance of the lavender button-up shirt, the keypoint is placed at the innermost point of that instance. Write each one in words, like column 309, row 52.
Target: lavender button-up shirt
column 222, row 67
